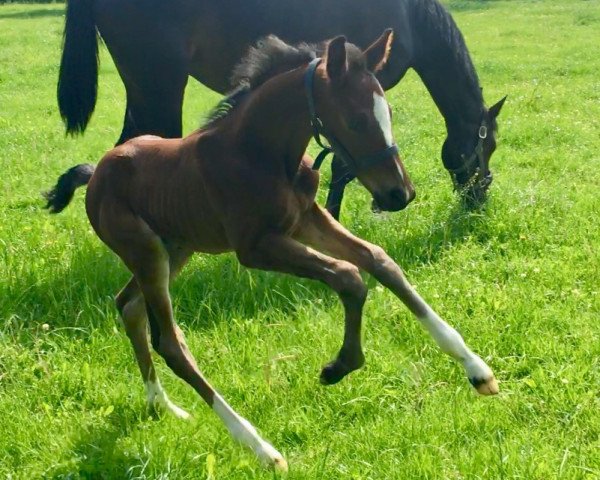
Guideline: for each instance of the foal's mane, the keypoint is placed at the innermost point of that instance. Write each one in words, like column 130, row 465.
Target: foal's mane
column 270, row 56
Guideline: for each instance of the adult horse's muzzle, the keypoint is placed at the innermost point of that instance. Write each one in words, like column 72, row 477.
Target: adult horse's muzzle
column 476, row 176
column 474, row 193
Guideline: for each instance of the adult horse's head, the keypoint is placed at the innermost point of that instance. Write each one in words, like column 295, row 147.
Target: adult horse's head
column 349, row 108
column 467, row 156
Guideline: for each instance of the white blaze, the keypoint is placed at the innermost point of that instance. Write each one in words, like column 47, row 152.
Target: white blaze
column 382, row 114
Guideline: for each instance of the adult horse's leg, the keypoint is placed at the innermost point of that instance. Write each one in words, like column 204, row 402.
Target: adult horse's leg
column 340, row 177
column 324, row 233
column 154, row 111
column 284, row 254
column 146, row 256
column 153, row 62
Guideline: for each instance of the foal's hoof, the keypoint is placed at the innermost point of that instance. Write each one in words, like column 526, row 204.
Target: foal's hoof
column 481, row 376
column 485, row 386
column 271, row 457
column 164, row 405
column 334, row 371
column 280, row 465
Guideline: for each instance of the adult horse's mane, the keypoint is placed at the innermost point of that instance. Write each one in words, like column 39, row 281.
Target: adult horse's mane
column 268, row 58
column 434, row 21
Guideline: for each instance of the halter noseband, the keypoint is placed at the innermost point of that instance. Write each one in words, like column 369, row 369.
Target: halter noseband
column 478, row 178
column 335, row 147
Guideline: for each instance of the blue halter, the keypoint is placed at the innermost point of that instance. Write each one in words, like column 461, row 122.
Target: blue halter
column 335, row 147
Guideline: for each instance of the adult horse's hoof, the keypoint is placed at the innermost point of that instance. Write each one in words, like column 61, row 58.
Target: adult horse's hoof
column 487, row 386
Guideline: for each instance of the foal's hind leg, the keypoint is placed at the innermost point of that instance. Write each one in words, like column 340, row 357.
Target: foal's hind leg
column 147, row 257
column 132, row 308
column 324, row 233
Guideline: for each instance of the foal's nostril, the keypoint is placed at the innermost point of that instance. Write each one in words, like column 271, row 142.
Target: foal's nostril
column 393, row 200
column 398, row 199
column 398, row 195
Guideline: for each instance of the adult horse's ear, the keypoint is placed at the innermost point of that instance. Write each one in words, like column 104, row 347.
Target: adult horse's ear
column 337, row 63
column 378, row 53
column 494, row 110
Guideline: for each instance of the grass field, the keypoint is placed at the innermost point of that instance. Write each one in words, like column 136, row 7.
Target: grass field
column 520, row 280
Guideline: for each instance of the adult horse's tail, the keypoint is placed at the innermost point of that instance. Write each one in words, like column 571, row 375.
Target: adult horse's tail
column 62, row 193
column 78, row 77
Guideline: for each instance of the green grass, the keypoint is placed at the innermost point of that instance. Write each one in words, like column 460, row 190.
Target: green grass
column 520, row 280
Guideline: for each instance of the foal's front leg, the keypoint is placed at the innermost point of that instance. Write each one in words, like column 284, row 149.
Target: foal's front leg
column 284, row 254
column 324, row 233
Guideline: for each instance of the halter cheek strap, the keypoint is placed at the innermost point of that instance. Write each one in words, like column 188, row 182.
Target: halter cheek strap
column 334, row 146
column 476, row 157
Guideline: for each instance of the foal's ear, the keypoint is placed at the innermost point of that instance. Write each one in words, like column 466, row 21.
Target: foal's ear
column 337, row 63
column 495, row 109
column 378, row 53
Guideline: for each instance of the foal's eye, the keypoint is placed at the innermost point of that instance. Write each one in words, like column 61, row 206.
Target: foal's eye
column 358, row 123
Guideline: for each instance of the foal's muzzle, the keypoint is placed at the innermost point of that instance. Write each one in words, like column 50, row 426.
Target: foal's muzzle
column 394, row 200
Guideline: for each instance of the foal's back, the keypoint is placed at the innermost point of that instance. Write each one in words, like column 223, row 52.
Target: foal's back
column 163, row 182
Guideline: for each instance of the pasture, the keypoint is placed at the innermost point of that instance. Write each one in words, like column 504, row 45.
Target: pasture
column 520, row 279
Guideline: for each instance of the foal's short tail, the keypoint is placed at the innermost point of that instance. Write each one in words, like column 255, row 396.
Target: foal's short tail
column 78, row 77
column 62, row 193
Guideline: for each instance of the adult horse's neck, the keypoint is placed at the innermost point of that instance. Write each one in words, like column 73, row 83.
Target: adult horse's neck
column 443, row 62
column 274, row 123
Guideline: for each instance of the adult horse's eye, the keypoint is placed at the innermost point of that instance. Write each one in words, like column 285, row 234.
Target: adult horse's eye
column 358, row 123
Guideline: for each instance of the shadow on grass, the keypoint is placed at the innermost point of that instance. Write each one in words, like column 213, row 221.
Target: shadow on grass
column 211, row 289
column 30, row 14
column 78, row 295
column 448, row 229
column 95, row 454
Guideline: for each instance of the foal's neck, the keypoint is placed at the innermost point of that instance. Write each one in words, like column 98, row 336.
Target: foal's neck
column 275, row 123
column 442, row 60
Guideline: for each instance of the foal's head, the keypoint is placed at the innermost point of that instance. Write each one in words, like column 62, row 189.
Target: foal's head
column 357, row 119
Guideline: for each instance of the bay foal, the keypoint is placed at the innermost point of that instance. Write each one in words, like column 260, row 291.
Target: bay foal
column 244, row 183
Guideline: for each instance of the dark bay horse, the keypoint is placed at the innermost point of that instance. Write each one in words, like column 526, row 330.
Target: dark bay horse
column 157, row 45
column 243, row 183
